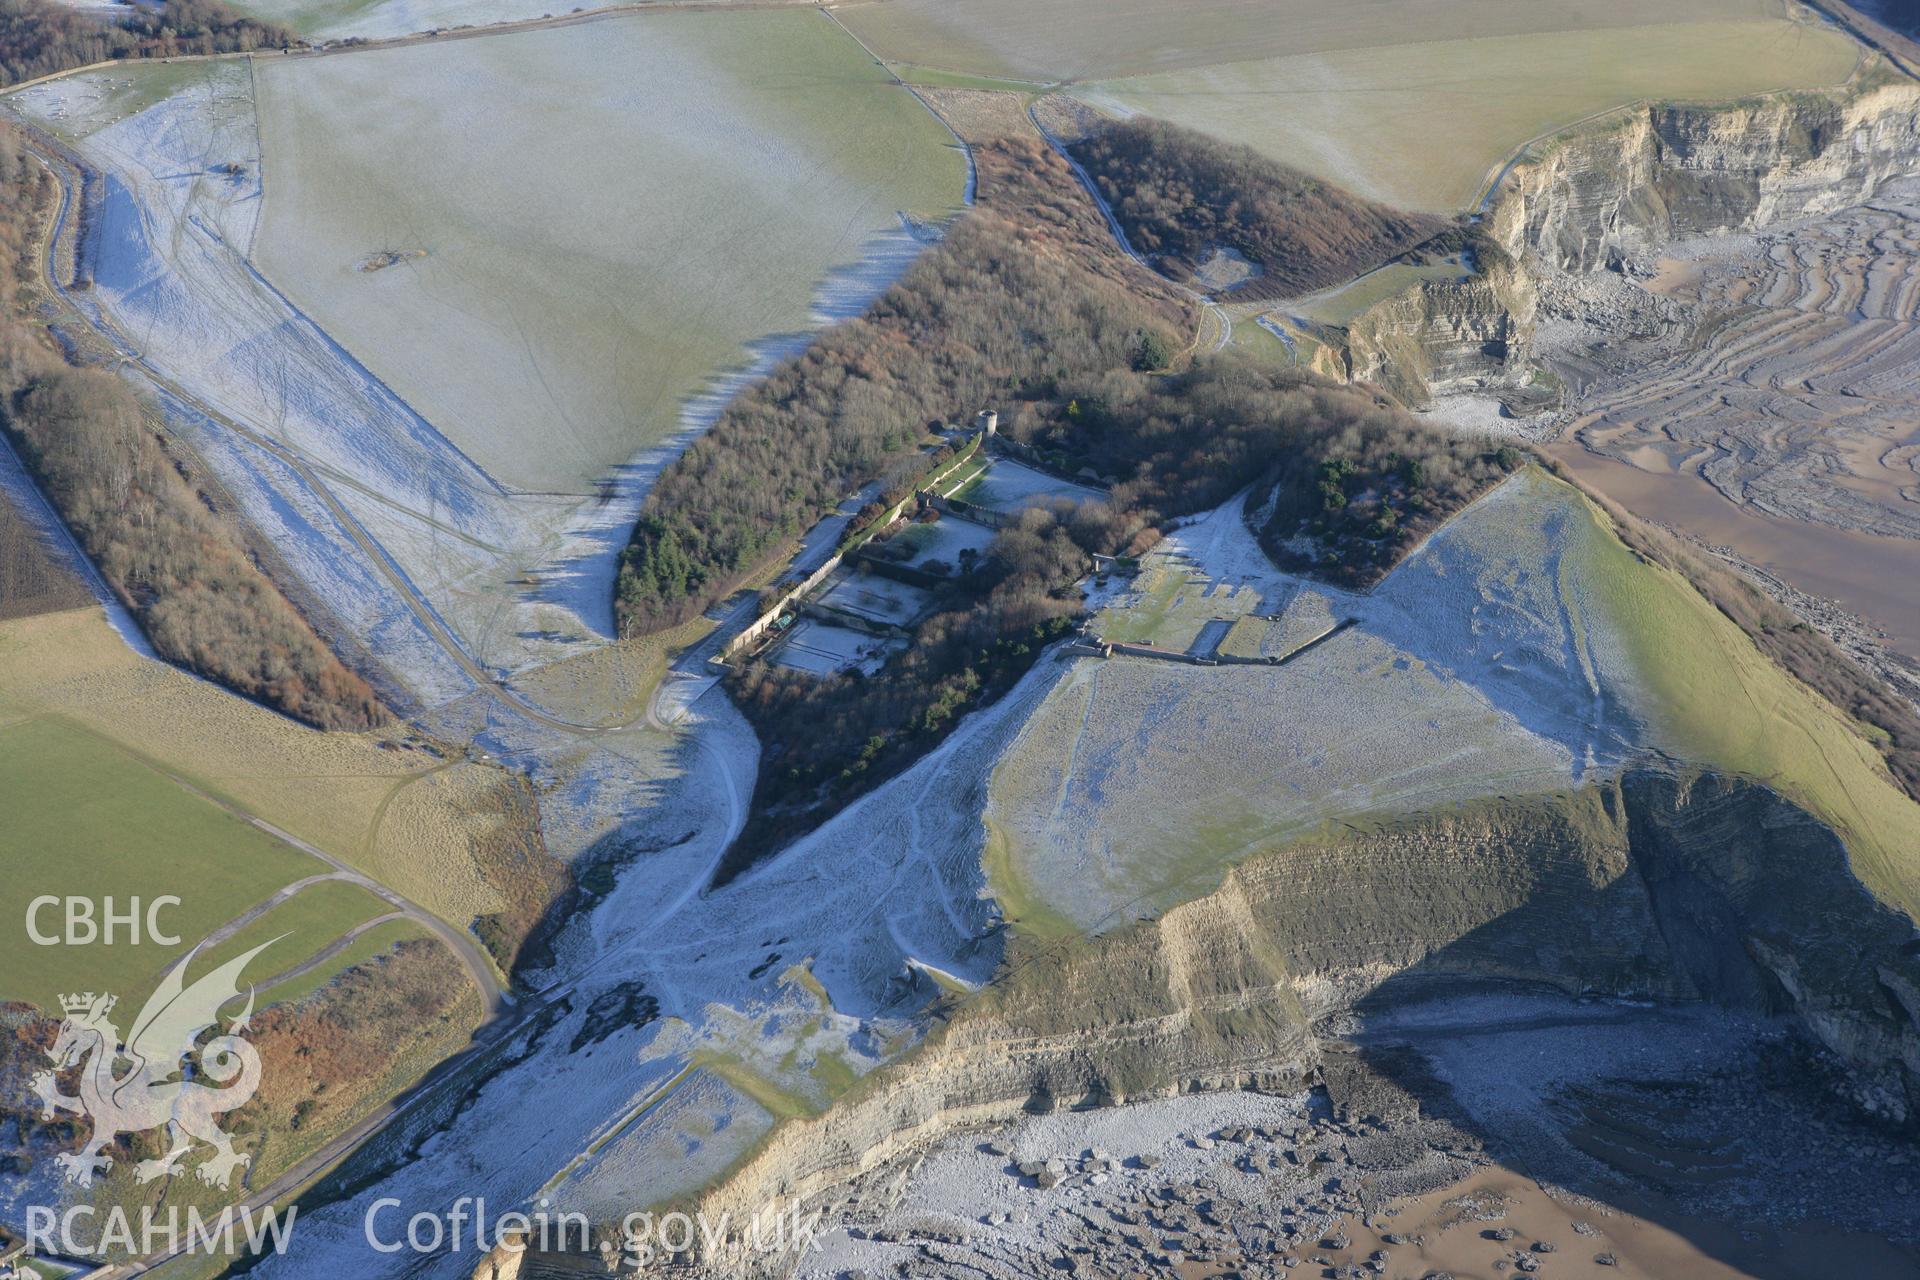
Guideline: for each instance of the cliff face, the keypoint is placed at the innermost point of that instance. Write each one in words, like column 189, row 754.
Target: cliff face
column 1627, row 186
column 1657, row 885
column 1443, row 335
column 1619, row 189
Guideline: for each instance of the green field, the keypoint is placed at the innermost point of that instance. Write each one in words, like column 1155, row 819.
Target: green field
column 374, row 942
column 87, row 819
column 1342, row 305
column 599, row 219
column 1077, row 40
column 299, row 928
column 1723, row 703
column 1421, row 125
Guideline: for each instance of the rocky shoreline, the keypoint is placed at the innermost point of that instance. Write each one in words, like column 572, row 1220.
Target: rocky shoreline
column 1382, row 1169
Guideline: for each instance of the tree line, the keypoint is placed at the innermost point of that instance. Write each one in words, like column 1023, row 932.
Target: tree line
column 1014, row 300
column 826, row 740
column 1182, row 443
column 1349, row 480
column 1029, row 307
column 40, row 37
column 1179, row 195
column 141, row 511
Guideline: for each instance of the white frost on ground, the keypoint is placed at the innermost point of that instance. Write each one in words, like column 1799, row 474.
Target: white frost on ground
column 1480, row 666
column 1013, row 486
column 947, row 540
column 520, row 578
column 894, row 879
column 824, row 649
column 874, row 598
column 344, row 19
column 964, row 1189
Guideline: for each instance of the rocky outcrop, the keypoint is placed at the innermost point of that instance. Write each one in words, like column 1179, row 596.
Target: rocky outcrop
column 1616, row 191
column 1444, row 335
column 1601, row 194
column 1659, row 885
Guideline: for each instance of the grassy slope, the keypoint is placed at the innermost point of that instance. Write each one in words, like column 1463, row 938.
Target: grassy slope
column 1711, row 698
column 1340, row 306
column 1726, row 705
column 336, row 790
column 374, row 942
column 85, row 818
column 1419, row 125
column 611, row 214
column 1052, row 40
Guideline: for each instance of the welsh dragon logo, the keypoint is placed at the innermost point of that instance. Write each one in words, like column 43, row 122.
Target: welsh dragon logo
column 152, row 1077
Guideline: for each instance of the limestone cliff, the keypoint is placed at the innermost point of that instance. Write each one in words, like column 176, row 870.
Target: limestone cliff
column 1662, row 885
column 1624, row 186
column 1443, row 335
column 1618, row 189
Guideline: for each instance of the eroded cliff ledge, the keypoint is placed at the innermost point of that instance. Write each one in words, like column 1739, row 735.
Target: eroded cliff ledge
column 1663, row 885
column 1615, row 191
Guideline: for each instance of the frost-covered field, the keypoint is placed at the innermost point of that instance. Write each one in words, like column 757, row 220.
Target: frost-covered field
column 947, row 540
column 874, row 598
column 571, row 288
column 1012, row 486
column 1480, row 666
column 824, row 649
column 379, row 19
column 606, row 215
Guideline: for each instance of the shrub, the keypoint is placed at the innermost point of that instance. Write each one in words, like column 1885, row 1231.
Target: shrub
column 1178, row 194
